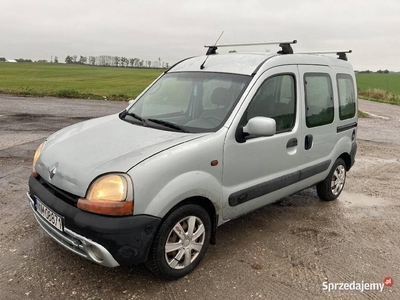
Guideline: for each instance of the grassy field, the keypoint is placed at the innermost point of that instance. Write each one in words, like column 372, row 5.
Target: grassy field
column 387, row 82
column 379, row 87
column 74, row 81
column 80, row 81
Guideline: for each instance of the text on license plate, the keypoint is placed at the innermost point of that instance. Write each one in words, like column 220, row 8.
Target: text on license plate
column 49, row 215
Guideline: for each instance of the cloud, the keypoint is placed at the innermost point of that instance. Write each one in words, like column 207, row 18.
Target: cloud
column 176, row 29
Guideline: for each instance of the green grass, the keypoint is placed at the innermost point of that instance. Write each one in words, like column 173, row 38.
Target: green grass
column 379, row 87
column 80, row 81
column 387, row 82
column 74, row 81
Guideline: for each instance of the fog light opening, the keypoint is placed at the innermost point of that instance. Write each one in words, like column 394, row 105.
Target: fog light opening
column 95, row 253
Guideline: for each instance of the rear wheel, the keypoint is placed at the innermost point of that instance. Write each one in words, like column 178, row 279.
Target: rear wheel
column 181, row 242
column 333, row 185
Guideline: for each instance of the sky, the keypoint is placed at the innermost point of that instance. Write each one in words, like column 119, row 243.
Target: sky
column 175, row 29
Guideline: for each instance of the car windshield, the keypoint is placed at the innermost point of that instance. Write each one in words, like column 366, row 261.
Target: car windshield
column 189, row 101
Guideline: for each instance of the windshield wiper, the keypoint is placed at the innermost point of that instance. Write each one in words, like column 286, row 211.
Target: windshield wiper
column 133, row 115
column 168, row 124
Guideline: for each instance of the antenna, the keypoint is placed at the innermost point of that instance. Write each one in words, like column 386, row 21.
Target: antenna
column 211, row 50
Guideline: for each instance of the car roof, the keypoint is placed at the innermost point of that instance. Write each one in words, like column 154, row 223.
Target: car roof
column 249, row 63
column 236, row 63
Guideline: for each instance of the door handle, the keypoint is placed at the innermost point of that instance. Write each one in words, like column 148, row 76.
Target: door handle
column 291, row 143
column 308, row 141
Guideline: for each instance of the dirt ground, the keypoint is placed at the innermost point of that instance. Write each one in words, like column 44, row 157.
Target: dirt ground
column 283, row 251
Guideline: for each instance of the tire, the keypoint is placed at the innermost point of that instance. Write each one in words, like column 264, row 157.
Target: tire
column 181, row 242
column 333, row 185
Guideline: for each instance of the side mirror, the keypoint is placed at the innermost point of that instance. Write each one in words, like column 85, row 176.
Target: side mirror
column 260, row 126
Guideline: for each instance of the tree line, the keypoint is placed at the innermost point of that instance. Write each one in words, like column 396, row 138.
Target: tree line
column 114, row 61
column 103, row 60
column 379, row 71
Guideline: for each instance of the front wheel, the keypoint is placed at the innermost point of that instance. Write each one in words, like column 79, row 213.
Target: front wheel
column 181, row 242
column 333, row 185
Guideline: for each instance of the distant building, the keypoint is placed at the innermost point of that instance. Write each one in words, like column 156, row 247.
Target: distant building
column 11, row 60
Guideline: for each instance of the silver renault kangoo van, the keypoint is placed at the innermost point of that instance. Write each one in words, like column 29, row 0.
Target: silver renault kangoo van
column 213, row 138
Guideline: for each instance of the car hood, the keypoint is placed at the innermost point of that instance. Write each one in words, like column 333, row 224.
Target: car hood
column 74, row 156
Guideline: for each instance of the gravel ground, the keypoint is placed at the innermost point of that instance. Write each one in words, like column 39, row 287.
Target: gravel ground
column 282, row 251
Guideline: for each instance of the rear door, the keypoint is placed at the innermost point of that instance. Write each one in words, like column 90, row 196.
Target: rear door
column 319, row 136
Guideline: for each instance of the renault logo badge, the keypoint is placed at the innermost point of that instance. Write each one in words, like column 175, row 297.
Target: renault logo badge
column 52, row 172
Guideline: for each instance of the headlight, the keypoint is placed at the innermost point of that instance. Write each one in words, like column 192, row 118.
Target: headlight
column 35, row 159
column 110, row 194
column 109, row 187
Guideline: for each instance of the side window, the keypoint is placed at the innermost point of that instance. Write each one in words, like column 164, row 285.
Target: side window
column 276, row 98
column 319, row 99
column 347, row 99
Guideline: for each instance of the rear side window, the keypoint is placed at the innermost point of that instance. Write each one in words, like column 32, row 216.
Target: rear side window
column 276, row 98
column 347, row 98
column 319, row 99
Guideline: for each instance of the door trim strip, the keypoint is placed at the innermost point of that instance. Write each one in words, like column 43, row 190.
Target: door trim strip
column 275, row 184
column 346, row 127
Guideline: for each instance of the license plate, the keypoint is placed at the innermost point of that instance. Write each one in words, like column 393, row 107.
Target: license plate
column 50, row 216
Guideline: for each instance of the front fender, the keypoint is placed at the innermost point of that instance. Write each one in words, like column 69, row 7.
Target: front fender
column 187, row 185
column 179, row 173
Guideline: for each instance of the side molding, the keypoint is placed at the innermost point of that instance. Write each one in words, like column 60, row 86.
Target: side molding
column 276, row 184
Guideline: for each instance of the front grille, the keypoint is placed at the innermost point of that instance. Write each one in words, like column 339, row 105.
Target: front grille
column 62, row 195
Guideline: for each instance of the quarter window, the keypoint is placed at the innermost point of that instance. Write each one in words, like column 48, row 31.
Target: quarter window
column 276, row 98
column 319, row 99
column 347, row 99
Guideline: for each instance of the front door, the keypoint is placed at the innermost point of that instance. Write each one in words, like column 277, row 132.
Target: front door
column 259, row 170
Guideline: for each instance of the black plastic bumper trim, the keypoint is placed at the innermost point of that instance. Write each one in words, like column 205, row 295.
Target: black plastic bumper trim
column 353, row 153
column 127, row 238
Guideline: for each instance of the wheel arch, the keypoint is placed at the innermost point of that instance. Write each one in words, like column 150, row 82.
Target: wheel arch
column 347, row 160
column 205, row 203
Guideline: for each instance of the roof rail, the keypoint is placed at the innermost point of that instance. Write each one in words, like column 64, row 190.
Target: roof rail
column 340, row 53
column 285, row 45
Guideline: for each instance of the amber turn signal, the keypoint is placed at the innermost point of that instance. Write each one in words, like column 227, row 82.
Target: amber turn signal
column 111, row 208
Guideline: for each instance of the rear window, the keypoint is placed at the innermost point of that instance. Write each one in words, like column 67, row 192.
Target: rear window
column 319, row 99
column 347, row 98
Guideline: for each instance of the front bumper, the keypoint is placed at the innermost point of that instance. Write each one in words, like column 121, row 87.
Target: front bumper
column 106, row 240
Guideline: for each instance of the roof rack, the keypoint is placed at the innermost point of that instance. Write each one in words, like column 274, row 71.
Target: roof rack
column 285, row 45
column 340, row 53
